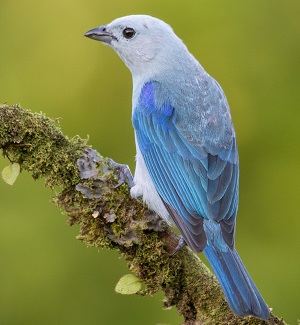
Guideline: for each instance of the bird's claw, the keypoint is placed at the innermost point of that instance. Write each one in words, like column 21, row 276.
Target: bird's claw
column 124, row 173
column 181, row 243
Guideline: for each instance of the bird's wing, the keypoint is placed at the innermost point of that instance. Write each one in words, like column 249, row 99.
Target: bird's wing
column 195, row 179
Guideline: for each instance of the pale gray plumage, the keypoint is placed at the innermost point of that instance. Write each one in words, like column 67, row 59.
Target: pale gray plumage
column 187, row 161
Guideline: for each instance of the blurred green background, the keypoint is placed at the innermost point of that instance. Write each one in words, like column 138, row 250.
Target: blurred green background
column 251, row 47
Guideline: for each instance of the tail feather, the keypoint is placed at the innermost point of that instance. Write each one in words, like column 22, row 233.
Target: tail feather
column 239, row 289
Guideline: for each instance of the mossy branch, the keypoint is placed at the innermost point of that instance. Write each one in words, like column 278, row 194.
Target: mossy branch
column 94, row 196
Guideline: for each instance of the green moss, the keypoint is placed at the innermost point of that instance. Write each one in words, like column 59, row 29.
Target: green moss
column 37, row 144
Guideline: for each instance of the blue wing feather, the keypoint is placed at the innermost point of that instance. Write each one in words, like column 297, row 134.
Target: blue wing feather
column 198, row 184
column 196, row 181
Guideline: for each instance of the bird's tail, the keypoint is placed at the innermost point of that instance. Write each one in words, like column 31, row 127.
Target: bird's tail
column 240, row 291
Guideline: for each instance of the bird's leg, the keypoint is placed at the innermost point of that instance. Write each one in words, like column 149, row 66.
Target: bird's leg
column 181, row 243
column 124, row 172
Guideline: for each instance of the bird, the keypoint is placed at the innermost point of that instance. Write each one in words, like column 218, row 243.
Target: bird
column 187, row 164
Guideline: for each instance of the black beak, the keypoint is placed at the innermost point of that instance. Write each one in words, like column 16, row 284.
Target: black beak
column 100, row 34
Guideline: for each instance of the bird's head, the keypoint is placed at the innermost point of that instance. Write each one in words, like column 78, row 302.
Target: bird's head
column 141, row 41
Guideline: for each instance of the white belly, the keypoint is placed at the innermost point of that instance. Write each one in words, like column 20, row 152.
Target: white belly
column 145, row 188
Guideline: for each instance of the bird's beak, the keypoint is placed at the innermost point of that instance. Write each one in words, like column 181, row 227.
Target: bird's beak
column 100, row 34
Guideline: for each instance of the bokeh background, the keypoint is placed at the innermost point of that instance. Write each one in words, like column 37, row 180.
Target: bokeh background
column 251, row 47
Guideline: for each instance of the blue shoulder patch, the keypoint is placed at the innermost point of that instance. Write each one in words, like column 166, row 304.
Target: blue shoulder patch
column 147, row 106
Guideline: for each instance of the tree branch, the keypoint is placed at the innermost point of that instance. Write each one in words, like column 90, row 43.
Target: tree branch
column 94, row 196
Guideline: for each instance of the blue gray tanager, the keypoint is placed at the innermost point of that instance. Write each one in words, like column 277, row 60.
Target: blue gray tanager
column 187, row 166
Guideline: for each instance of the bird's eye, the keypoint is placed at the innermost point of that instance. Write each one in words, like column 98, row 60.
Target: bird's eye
column 128, row 32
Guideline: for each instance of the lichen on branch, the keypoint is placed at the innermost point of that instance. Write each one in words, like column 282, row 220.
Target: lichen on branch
column 94, row 194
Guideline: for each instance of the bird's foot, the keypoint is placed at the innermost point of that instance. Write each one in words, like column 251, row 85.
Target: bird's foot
column 180, row 244
column 124, row 172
